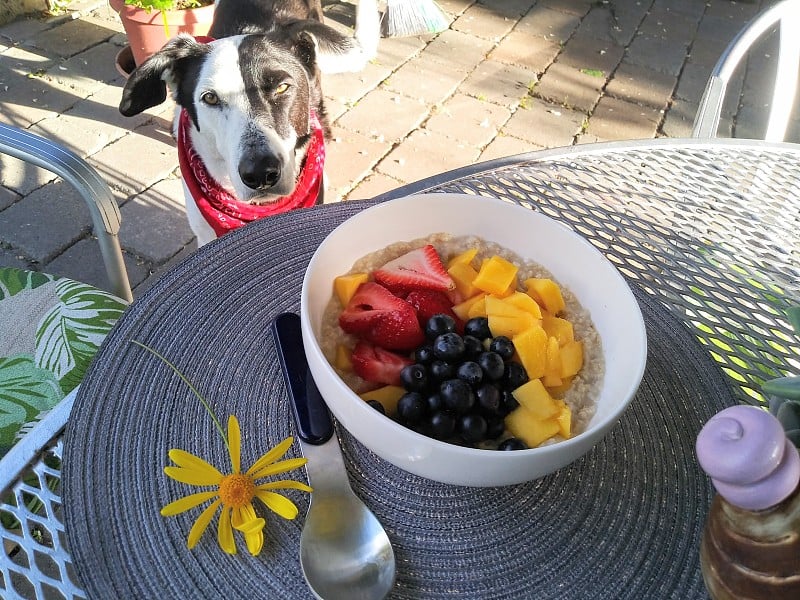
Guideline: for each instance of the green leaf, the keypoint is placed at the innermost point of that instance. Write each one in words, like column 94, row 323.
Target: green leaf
column 70, row 333
column 785, row 387
column 25, row 391
column 593, row 72
column 13, row 281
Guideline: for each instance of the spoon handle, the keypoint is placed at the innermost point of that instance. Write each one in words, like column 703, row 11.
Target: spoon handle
column 314, row 423
column 325, row 467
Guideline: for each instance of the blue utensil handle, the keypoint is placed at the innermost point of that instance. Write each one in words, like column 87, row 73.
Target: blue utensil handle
column 314, row 423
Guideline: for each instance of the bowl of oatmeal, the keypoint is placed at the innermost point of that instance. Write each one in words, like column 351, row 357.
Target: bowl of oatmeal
column 392, row 304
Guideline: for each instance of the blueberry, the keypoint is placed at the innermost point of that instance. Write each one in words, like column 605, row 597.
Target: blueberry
column 488, row 398
column 472, row 347
column 492, row 365
column 377, row 406
column 503, row 346
column 411, row 407
column 514, row 375
column 495, row 426
column 478, row 327
column 470, row 372
column 414, row 377
column 434, row 402
column 449, row 347
column 472, row 428
column 442, row 425
column 512, row 444
column 424, row 354
column 438, row 325
column 508, row 403
column 440, row 370
column 457, row 395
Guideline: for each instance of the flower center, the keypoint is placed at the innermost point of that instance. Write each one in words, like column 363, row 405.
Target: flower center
column 236, row 490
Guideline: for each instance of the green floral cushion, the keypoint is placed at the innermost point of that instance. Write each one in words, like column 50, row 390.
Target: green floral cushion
column 50, row 329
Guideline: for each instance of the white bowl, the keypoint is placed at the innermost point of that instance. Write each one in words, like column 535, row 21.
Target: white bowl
column 574, row 263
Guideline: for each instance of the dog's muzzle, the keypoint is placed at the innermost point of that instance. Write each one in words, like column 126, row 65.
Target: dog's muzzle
column 260, row 172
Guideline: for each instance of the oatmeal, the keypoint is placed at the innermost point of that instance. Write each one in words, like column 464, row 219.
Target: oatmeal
column 574, row 393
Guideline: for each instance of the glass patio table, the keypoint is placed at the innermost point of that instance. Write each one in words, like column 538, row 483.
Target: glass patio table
column 706, row 233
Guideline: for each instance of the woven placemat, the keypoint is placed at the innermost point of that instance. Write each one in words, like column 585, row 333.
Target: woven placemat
column 624, row 521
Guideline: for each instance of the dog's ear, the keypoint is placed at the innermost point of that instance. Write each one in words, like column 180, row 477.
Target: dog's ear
column 147, row 85
column 304, row 47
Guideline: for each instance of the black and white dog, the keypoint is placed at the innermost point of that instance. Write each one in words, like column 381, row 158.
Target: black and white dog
column 252, row 123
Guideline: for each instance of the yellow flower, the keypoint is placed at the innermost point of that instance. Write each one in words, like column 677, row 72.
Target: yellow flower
column 234, row 492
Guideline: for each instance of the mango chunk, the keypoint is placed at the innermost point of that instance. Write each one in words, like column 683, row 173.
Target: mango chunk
column 558, row 391
column 531, row 347
column 510, row 325
column 558, row 328
column 535, row 398
column 342, row 360
column 531, row 430
column 462, row 308
column 387, row 395
column 551, row 382
column 571, row 358
column 496, row 275
column 346, row 285
column 564, row 419
column 524, row 302
column 553, row 359
column 465, row 258
column 547, row 293
column 478, row 308
column 464, row 275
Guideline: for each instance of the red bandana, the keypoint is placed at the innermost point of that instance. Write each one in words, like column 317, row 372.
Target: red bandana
column 221, row 209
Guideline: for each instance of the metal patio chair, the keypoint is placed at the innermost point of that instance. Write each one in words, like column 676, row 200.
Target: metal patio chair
column 786, row 16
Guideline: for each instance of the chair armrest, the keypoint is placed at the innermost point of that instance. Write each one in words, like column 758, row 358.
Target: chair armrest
column 103, row 209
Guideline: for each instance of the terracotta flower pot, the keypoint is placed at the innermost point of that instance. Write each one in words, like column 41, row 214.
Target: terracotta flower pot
column 145, row 30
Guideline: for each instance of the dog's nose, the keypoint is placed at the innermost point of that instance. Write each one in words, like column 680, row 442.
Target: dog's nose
column 259, row 172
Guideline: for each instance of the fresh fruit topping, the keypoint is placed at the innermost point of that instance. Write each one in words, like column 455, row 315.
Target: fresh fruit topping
column 478, row 327
column 377, row 365
column 414, row 378
column 418, row 269
column 428, row 303
column 376, row 315
column 449, row 347
column 346, row 285
column 439, row 324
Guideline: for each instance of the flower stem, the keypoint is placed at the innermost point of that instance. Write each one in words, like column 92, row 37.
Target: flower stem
column 191, row 387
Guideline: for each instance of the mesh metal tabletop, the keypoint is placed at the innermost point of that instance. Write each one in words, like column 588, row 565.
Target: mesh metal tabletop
column 706, row 232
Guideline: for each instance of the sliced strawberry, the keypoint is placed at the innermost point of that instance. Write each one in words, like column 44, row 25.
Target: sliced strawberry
column 375, row 364
column 376, row 315
column 420, row 269
column 430, row 302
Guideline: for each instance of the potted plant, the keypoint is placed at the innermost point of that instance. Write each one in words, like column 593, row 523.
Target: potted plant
column 150, row 23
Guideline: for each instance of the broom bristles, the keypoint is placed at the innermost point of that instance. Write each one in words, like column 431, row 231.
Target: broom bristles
column 412, row 17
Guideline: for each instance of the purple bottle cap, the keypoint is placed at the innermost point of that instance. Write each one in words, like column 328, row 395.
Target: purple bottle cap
column 748, row 457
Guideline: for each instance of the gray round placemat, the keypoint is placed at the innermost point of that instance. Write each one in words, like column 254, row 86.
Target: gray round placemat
column 624, row 521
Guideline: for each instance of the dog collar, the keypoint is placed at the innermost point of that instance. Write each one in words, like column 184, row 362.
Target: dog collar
column 223, row 211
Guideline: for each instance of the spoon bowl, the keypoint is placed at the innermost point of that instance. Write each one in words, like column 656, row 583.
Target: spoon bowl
column 344, row 551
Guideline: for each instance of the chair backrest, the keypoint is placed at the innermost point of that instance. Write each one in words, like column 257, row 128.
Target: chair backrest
column 103, row 209
column 786, row 15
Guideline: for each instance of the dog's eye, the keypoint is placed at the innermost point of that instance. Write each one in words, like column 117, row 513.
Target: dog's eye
column 281, row 89
column 210, row 98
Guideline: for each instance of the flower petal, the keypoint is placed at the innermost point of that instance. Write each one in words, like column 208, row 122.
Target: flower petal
column 192, row 476
column 225, row 532
column 252, row 526
column 190, row 461
column 271, row 456
column 255, row 541
column 279, row 467
column 287, row 484
column 278, row 504
column 235, row 442
column 201, row 523
column 183, row 504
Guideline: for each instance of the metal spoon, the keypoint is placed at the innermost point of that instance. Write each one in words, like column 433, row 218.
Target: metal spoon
column 344, row 551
